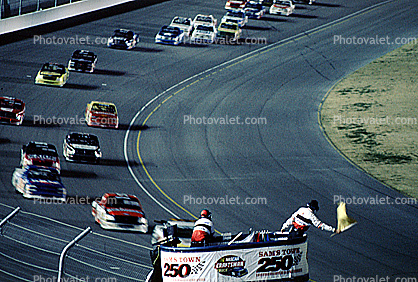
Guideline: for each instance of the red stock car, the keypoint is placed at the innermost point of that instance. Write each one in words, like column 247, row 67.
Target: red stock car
column 102, row 114
column 39, row 154
column 116, row 211
column 12, row 110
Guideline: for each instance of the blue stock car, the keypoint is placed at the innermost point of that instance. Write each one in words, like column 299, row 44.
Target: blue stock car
column 37, row 182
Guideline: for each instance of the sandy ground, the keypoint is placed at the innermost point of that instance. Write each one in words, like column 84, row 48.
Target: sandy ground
column 371, row 116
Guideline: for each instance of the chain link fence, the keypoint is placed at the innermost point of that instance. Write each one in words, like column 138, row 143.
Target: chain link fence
column 30, row 248
column 11, row 8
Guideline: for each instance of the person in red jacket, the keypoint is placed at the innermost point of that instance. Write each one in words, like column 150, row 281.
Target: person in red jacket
column 304, row 217
column 203, row 230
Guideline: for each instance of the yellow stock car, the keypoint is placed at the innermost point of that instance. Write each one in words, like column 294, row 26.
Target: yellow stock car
column 102, row 114
column 52, row 74
column 229, row 31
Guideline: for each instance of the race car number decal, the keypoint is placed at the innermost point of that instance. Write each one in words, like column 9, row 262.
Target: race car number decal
column 174, row 270
column 275, row 263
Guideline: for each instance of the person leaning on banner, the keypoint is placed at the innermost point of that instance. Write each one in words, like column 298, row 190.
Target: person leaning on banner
column 203, row 230
column 304, row 217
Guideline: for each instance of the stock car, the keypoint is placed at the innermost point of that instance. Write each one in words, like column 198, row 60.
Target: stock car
column 83, row 61
column 37, row 182
column 185, row 24
column 170, row 35
column 81, row 147
column 203, row 34
column 184, row 231
column 238, row 17
column 39, row 154
column 282, row 7
column 235, row 4
column 229, row 31
column 102, row 114
column 123, row 39
column 254, row 10
column 204, row 20
column 12, row 110
column 52, row 74
column 116, row 211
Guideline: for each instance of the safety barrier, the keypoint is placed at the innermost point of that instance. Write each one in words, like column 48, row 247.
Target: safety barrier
column 42, row 16
column 31, row 246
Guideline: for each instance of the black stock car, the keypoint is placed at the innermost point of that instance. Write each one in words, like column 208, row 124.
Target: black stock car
column 83, row 61
column 81, row 147
column 123, row 39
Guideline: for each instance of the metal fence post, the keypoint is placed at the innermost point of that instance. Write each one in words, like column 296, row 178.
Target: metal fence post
column 20, row 7
column 66, row 248
column 12, row 214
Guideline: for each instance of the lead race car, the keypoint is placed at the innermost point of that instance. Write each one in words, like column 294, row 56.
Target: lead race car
column 256, row 256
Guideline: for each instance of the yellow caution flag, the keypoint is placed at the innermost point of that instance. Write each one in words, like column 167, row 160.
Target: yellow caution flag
column 344, row 221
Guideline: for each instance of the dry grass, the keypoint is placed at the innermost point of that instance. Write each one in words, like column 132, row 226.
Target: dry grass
column 372, row 118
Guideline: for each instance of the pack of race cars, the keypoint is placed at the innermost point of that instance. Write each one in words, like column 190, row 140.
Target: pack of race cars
column 38, row 176
column 202, row 29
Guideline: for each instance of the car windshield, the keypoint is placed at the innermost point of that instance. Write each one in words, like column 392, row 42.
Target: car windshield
column 43, row 174
column 229, row 26
column 183, row 21
column 125, row 34
column 42, row 152
column 254, row 6
column 204, row 19
column 83, row 55
column 171, row 30
column 103, row 108
column 235, row 14
column 53, row 68
column 84, row 139
column 11, row 103
column 205, row 28
column 285, row 3
column 119, row 202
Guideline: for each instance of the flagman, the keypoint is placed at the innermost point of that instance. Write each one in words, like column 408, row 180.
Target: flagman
column 304, row 217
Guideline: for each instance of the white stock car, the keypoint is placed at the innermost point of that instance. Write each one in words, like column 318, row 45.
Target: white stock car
column 185, row 24
column 282, row 7
column 115, row 211
column 238, row 17
column 204, row 20
column 203, row 34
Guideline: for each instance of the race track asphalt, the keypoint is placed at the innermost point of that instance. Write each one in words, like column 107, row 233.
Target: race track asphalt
column 286, row 160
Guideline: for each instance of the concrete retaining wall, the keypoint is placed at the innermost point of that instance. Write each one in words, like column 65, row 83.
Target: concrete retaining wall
column 31, row 20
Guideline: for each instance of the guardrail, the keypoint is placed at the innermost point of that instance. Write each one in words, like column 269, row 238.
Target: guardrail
column 31, row 246
column 11, row 8
column 54, row 14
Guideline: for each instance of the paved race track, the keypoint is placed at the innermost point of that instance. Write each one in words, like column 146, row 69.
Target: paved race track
column 285, row 160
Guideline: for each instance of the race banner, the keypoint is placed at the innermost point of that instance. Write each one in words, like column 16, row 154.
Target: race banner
column 236, row 264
